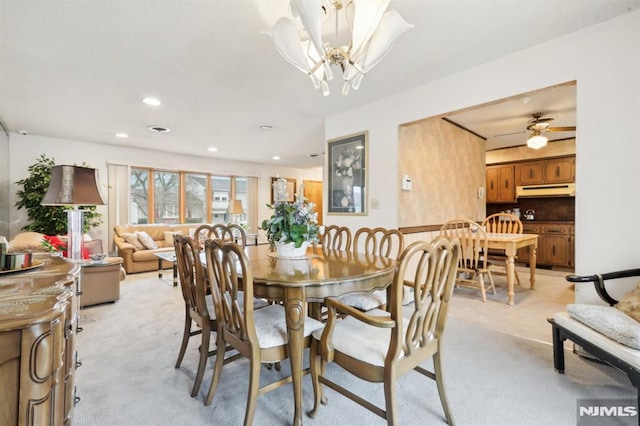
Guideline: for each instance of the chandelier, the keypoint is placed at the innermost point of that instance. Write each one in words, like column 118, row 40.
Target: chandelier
column 356, row 49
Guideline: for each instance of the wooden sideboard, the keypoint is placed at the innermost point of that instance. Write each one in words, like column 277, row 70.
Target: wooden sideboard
column 38, row 320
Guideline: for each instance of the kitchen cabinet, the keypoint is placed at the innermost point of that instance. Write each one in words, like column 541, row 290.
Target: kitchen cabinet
column 560, row 171
column 549, row 171
column 500, row 184
column 555, row 243
column 531, row 173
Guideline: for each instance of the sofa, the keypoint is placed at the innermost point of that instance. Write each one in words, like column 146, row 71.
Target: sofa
column 138, row 244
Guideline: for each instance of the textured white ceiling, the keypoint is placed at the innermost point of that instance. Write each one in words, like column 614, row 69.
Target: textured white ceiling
column 79, row 69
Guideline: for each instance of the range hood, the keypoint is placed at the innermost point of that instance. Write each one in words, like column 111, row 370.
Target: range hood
column 555, row 190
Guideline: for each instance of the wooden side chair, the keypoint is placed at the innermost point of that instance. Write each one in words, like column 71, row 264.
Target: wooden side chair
column 382, row 242
column 380, row 346
column 260, row 335
column 473, row 262
column 199, row 307
column 502, row 223
column 335, row 238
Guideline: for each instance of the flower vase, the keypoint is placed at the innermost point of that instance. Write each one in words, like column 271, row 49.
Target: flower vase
column 289, row 250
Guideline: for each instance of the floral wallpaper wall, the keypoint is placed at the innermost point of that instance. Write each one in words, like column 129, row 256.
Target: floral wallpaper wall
column 447, row 166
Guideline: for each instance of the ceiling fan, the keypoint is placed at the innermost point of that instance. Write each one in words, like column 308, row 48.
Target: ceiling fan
column 536, row 126
column 540, row 123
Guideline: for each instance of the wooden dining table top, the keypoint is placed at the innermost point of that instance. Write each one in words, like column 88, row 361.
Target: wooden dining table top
column 331, row 274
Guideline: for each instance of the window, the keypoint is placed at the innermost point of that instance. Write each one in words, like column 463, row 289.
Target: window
column 166, row 197
column 139, row 189
column 186, row 197
column 195, row 192
column 220, row 188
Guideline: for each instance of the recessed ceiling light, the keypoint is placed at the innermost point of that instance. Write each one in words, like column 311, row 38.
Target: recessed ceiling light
column 212, row 149
column 360, row 147
column 159, row 129
column 152, row 101
column 122, row 135
column 266, row 127
column 275, row 157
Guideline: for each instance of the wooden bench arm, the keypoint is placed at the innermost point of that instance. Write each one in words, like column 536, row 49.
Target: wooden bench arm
column 599, row 279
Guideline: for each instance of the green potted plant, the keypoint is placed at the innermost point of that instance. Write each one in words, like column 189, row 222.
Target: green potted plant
column 292, row 227
column 48, row 220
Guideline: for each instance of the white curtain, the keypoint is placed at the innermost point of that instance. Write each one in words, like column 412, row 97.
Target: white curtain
column 118, row 198
column 252, row 208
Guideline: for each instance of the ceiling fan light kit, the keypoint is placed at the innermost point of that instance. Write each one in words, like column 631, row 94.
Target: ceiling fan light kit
column 371, row 35
column 536, row 140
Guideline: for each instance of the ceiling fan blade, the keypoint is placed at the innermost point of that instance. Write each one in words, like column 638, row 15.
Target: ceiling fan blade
column 509, row 134
column 561, row 129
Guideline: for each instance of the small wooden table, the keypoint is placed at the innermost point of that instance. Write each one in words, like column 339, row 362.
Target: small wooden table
column 168, row 256
column 311, row 279
column 510, row 243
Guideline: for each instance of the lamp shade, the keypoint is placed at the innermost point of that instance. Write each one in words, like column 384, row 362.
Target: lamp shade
column 73, row 185
column 235, row 207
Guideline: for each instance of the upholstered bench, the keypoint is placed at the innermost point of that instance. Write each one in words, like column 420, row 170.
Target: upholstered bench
column 610, row 333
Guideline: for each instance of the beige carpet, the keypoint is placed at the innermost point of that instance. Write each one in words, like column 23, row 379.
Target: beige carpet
column 497, row 360
column 528, row 317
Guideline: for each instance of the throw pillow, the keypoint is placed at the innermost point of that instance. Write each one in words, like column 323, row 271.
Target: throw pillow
column 168, row 237
column 146, row 240
column 26, row 241
column 609, row 321
column 133, row 239
column 630, row 304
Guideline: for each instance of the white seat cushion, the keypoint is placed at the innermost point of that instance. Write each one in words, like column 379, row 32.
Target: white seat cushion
column 365, row 301
column 271, row 326
column 360, row 340
column 630, row 355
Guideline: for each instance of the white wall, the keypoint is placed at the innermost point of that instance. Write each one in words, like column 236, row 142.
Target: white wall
column 25, row 150
column 605, row 62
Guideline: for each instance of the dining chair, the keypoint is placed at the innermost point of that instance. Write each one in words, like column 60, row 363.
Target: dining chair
column 258, row 334
column 199, row 307
column 380, row 346
column 382, row 242
column 335, row 238
column 473, row 262
column 502, row 223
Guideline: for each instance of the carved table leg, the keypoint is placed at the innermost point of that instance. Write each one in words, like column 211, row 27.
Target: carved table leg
column 295, row 305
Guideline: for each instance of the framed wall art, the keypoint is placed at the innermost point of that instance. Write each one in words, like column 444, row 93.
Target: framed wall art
column 347, row 172
column 291, row 189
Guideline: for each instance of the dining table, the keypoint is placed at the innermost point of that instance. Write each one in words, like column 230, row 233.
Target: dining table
column 510, row 243
column 311, row 278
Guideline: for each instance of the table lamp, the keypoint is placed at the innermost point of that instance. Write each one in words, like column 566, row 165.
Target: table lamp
column 235, row 209
column 74, row 186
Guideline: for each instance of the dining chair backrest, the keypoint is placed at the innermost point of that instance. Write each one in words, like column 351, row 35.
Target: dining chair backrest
column 231, row 232
column 336, row 238
column 227, row 267
column 473, row 242
column 432, row 268
column 502, row 223
column 191, row 274
column 379, row 242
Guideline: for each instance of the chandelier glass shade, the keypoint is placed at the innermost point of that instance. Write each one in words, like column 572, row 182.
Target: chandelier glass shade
column 536, row 140
column 370, row 35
